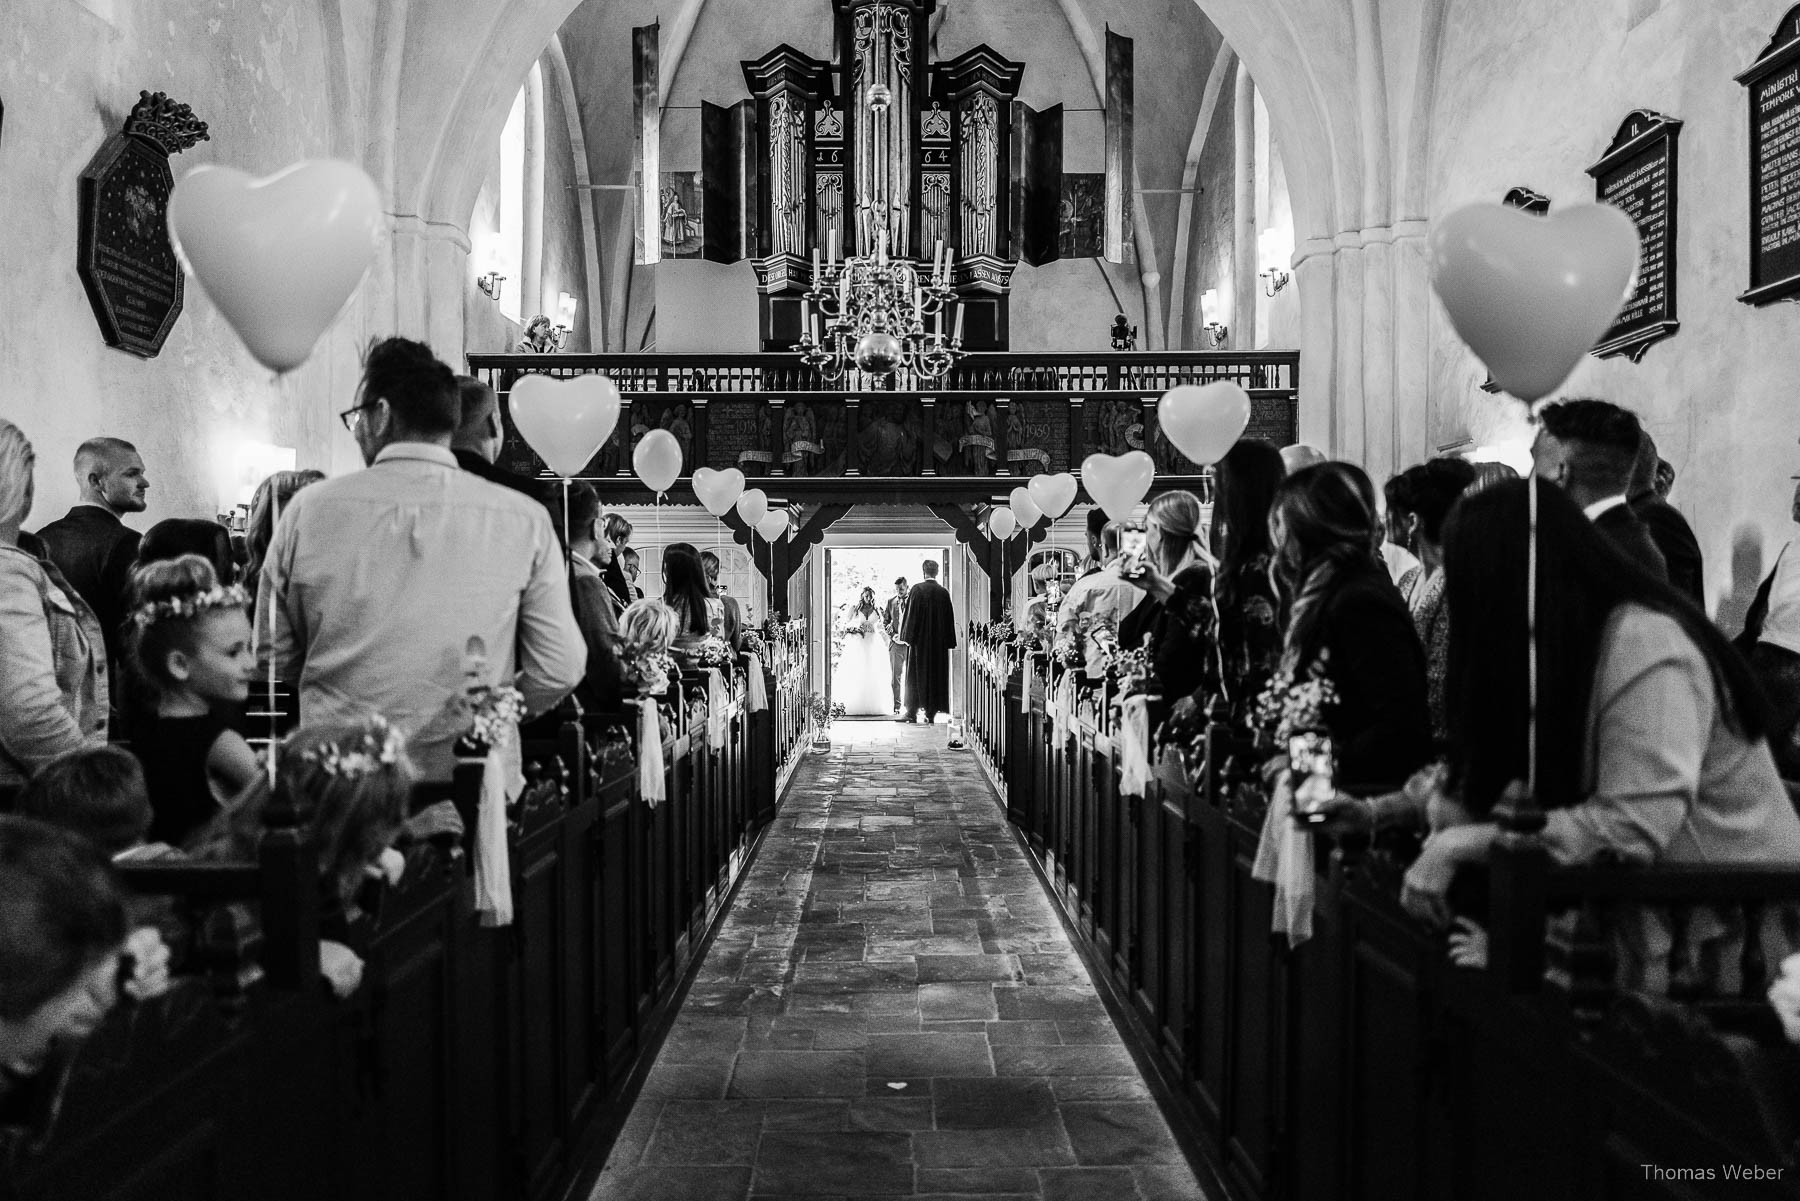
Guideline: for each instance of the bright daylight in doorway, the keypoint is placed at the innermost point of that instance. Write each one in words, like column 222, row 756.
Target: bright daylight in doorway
column 866, row 599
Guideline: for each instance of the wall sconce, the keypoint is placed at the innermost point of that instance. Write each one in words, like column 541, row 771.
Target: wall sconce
column 1209, row 313
column 490, row 283
column 1276, row 250
column 565, row 317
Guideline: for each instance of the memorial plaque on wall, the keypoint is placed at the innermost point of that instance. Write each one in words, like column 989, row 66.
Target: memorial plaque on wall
column 1774, row 86
column 1639, row 175
column 126, row 259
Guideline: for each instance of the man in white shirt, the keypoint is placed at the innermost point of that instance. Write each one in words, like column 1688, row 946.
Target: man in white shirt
column 380, row 580
column 1101, row 596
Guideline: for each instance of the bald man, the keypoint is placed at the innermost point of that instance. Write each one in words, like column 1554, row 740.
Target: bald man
column 90, row 544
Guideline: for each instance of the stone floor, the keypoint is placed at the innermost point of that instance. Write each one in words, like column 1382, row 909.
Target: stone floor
column 893, row 1010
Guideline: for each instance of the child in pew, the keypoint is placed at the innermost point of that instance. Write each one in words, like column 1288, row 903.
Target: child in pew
column 99, row 793
column 355, row 782
column 67, row 954
column 188, row 641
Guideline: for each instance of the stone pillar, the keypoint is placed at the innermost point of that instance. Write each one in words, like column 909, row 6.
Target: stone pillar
column 1243, row 215
column 531, row 271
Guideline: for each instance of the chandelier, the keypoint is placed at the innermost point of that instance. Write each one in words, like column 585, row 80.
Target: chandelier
column 871, row 312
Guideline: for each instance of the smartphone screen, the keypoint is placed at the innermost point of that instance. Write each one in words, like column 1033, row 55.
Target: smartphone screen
column 1131, row 546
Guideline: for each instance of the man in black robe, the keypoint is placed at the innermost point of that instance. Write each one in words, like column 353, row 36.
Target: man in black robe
column 929, row 633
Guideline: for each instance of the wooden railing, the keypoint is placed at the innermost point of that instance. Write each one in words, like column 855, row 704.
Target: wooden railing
column 1363, row 1064
column 994, row 414
column 472, row 1062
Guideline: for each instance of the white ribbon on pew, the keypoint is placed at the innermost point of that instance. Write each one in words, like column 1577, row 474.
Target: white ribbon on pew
column 650, row 755
column 1284, row 858
column 1134, row 746
column 1062, row 708
column 759, row 691
column 716, row 698
column 502, row 781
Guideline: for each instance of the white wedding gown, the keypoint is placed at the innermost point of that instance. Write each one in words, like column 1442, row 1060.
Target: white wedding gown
column 864, row 677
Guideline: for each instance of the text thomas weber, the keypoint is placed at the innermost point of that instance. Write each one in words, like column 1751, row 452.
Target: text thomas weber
column 1729, row 1171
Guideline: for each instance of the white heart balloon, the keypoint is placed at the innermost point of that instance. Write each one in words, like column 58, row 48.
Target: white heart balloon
column 1024, row 508
column 753, row 505
column 279, row 256
column 657, row 460
column 1532, row 295
column 718, row 490
column 1204, row 421
column 773, row 525
column 565, row 420
column 1052, row 493
column 1118, row 482
column 1002, row 524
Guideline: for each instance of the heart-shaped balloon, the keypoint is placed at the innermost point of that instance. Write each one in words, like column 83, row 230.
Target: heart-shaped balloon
column 278, row 256
column 1531, row 295
column 1002, row 524
column 657, row 460
column 1024, row 508
column 718, row 490
column 1300, row 455
column 753, row 505
column 1205, row 420
column 772, row 525
column 1118, row 482
column 565, row 420
column 1052, row 493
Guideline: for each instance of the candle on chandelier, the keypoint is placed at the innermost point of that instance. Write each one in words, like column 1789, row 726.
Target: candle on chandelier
column 918, row 304
column 831, row 243
column 818, row 335
column 949, row 264
column 843, row 293
column 815, row 264
column 937, row 262
column 881, row 248
column 959, row 317
column 805, row 318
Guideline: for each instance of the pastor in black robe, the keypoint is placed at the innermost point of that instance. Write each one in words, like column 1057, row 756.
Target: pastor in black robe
column 929, row 634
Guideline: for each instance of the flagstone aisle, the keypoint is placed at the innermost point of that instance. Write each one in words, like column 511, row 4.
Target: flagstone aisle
column 893, row 1010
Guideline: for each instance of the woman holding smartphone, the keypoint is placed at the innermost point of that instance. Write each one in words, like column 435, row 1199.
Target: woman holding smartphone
column 1175, row 571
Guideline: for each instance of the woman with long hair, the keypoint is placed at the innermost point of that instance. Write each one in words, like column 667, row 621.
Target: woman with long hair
column 268, row 502
column 1347, row 621
column 863, row 680
column 699, row 614
column 1244, row 485
column 1419, row 500
column 1651, row 731
column 1176, row 614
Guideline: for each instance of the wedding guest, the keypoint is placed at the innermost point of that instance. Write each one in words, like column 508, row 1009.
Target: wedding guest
column 53, row 671
column 618, row 532
column 632, row 566
column 380, row 578
column 64, row 935
column 354, row 781
column 1419, row 499
column 698, row 613
column 1673, row 536
column 1097, row 558
column 1345, row 615
column 595, row 606
column 894, row 614
column 930, row 636
column 539, row 337
column 188, row 640
column 1651, row 732
column 1176, row 612
column 1589, row 448
column 479, row 438
column 98, row 792
column 1098, row 599
column 90, row 545
column 270, row 500
column 1489, row 473
column 1771, row 643
column 1245, row 482
column 174, row 537
column 734, row 617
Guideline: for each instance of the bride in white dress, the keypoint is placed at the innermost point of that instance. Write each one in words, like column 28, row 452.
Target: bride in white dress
column 863, row 680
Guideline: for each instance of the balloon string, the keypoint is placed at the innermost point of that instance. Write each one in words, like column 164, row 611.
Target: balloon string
column 1531, row 635
column 274, row 741
column 568, row 534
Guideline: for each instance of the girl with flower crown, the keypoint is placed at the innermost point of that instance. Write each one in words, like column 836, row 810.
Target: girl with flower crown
column 188, row 639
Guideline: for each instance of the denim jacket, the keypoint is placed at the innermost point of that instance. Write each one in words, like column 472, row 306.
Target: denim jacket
column 53, row 685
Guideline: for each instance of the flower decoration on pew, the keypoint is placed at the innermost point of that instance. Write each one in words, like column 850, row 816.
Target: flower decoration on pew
column 1132, row 667
column 1065, row 649
column 377, row 748
column 713, row 652
column 1289, row 707
column 751, row 643
column 497, row 712
column 649, row 672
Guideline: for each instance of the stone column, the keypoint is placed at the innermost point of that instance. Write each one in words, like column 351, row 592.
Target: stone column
column 1243, row 216
column 531, row 271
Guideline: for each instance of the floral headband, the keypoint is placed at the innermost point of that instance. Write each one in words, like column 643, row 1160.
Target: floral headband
column 375, row 749
column 185, row 608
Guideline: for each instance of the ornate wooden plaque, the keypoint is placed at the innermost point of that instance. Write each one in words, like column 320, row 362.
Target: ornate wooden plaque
column 1639, row 175
column 126, row 259
column 1774, row 87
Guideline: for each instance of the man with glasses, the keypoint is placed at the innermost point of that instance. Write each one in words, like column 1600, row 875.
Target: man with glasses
column 386, row 582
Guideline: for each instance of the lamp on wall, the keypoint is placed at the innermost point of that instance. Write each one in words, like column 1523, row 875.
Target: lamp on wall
column 565, row 317
column 1209, row 313
column 489, row 280
column 1275, row 247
